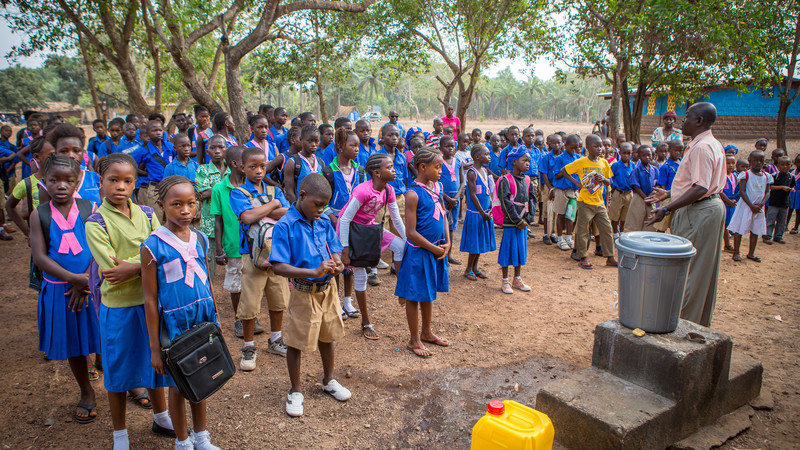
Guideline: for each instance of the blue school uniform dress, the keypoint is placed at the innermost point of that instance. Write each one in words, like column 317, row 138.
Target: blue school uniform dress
column 184, row 287
column 514, row 242
column 89, row 188
column 451, row 181
column 731, row 190
column 96, row 144
column 328, row 154
column 421, row 275
column 477, row 235
column 63, row 333
column 343, row 186
column 795, row 196
column 188, row 170
column 494, row 160
column 306, row 169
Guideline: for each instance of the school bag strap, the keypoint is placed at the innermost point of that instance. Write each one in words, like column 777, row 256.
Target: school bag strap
column 327, row 172
column 298, row 166
column 46, row 216
column 159, row 159
column 29, row 195
column 109, row 150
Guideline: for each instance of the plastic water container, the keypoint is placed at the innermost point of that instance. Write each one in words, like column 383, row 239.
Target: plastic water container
column 652, row 279
column 512, row 425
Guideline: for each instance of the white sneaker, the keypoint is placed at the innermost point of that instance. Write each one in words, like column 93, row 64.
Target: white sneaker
column 294, row 404
column 277, row 347
column 338, row 391
column 571, row 243
column 563, row 245
column 202, row 441
column 382, row 265
column 249, row 355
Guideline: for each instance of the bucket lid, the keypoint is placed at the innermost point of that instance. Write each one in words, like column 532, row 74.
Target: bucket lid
column 656, row 245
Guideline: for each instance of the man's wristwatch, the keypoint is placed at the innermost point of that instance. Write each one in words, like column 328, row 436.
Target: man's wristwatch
column 666, row 211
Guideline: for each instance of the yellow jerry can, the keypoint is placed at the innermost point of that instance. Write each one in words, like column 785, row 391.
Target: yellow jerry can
column 512, row 425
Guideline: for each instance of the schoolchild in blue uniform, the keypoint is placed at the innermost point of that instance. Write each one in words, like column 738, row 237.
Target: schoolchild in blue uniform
column 68, row 327
column 424, row 270
column 513, row 143
column 564, row 191
column 178, row 290
column 99, row 140
column 666, row 173
column 259, row 128
column 345, row 174
column 329, row 152
column 368, row 146
column 182, row 164
column 115, row 137
column 546, row 179
column 278, row 129
column 493, row 144
column 477, row 234
column 152, row 158
column 452, row 181
column 115, row 233
column 519, row 212
column 621, row 189
column 128, row 143
column 305, row 248
column 33, row 130
column 391, row 138
column 309, row 163
column 730, row 196
column 67, row 139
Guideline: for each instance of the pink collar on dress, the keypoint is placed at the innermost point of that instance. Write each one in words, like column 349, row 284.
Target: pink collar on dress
column 189, row 255
column 69, row 243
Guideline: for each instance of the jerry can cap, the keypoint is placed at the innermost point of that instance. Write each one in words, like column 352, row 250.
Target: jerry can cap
column 496, row 407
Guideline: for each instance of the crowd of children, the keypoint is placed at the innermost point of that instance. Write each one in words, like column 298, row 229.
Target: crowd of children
column 296, row 210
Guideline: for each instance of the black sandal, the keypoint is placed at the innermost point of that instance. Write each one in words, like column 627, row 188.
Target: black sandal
column 753, row 258
column 138, row 400
column 89, row 407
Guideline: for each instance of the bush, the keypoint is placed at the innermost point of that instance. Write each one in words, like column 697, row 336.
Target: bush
column 74, row 120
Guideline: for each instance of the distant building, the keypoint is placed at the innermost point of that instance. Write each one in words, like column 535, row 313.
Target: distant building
column 752, row 113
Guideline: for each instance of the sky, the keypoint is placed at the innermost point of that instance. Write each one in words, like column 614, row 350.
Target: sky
column 543, row 68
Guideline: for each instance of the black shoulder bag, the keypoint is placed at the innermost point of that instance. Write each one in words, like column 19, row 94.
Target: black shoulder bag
column 365, row 240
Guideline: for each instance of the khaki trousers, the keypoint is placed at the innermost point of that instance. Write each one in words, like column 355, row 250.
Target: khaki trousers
column 585, row 216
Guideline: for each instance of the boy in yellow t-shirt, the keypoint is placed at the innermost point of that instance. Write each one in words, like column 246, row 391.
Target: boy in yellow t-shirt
column 594, row 173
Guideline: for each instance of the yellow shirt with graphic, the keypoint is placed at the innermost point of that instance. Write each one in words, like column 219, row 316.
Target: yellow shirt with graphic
column 591, row 192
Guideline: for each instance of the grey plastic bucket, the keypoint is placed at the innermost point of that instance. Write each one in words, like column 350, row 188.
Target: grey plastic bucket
column 652, row 279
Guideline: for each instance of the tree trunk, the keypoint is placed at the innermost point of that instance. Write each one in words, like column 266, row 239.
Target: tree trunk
column 619, row 74
column 98, row 111
column 783, row 108
column 785, row 91
column 233, row 79
column 130, row 80
column 323, row 115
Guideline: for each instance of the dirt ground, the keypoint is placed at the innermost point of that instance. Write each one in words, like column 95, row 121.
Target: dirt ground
column 503, row 346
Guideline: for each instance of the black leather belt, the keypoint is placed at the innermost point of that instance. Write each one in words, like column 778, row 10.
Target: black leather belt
column 303, row 285
column 706, row 198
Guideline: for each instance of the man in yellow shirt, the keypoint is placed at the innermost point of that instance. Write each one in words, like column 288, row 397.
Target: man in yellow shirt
column 594, row 173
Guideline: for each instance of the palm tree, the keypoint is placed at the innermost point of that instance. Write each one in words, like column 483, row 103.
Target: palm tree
column 371, row 81
column 533, row 85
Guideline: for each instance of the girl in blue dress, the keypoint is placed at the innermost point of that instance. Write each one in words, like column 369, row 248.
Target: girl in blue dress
column 309, row 163
column 68, row 327
column 519, row 212
column 477, row 235
column 177, row 287
column 795, row 197
column 67, row 140
column 423, row 271
column 452, row 181
column 730, row 196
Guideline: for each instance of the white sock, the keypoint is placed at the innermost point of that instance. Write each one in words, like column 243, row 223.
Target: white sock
column 121, row 440
column 348, row 304
column 163, row 420
column 517, row 277
column 249, row 343
column 505, row 280
column 274, row 336
column 188, row 443
column 202, row 441
column 373, row 271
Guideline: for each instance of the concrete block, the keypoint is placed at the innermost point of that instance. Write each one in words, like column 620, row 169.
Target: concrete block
column 596, row 410
column 668, row 364
column 712, row 436
column 744, row 385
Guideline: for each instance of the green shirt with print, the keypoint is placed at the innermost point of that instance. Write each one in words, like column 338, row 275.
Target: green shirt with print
column 221, row 206
column 207, row 177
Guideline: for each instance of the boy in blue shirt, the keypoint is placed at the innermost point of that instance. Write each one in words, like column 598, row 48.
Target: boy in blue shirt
column 306, row 249
column 619, row 200
column 367, row 145
column 564, row 191
column 255, row 202
column 182, row 164
column 546, row 164
column 513, row 144
column 278, row 129
column 111, row 145
column 643, row 179
column 666, row 173
column 99, row 140
column 152, row 158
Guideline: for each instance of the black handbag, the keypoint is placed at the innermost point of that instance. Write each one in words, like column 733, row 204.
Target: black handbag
column 365, row 241
column 198, row 360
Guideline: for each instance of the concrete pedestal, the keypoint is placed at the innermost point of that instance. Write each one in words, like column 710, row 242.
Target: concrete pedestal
column 650, row 391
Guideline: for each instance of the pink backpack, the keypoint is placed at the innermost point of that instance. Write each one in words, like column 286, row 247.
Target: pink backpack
column 498, row 214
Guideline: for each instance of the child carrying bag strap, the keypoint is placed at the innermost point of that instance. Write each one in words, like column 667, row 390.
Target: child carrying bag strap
column 198, row 360
column 260, row 234
column 365, row 241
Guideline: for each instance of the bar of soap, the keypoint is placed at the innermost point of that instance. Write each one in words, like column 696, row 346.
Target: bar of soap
column 638, row 332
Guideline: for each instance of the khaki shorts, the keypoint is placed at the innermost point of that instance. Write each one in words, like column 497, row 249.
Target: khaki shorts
column 3, row 197
column 257, row 283
column 535, row 183
column 618, row 204
column 561, row 199
column 233, row 275
column 637, row 215
column 149, row 197
column 666, row 222
column 313, row 318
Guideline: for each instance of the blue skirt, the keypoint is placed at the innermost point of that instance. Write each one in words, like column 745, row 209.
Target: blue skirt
column 729, row 214
column 63, row 333
column 452, row 216
column 421, row 275
column 513, row 247
column 126, row 350
column 477, row 235
column 795, row 200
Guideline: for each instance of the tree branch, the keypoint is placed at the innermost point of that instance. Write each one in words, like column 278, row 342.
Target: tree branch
column 212, row 24
column 326, row 5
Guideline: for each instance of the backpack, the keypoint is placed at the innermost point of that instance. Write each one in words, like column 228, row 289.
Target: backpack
column 46, row 216
column 259, row 237
column 327, row 172
column 498, row 213
column 95, row 277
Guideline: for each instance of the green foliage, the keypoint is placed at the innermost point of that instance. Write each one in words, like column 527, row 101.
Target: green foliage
column 20, row 88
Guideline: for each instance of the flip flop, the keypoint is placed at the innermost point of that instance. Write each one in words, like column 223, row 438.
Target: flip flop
column 737, row 258
column 585, row 265
column 352, row 314
column 481, row 275
column 369, row 326
column 89, row 407
column 438, row 341
column 414, row 350
column 138, row 400
column 753, row 258
column 470, row 276
column 94, row 375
